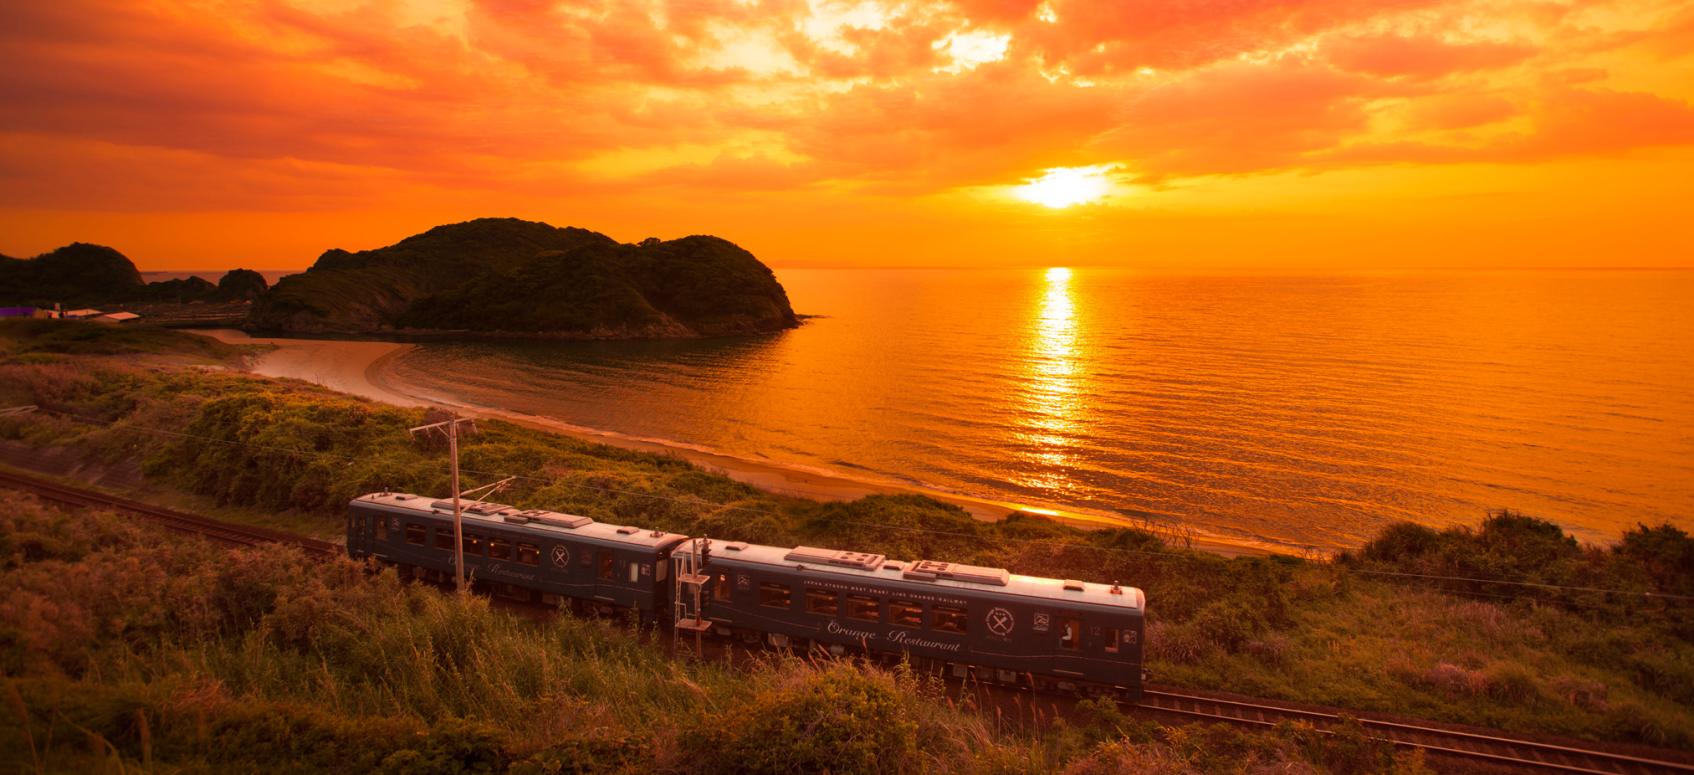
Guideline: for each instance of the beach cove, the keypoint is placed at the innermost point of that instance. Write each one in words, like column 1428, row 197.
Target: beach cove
column 362, row 368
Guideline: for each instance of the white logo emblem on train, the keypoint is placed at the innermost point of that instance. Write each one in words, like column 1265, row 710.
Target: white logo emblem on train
column 1041, row 622
column 561, row 555
column 1000, row 622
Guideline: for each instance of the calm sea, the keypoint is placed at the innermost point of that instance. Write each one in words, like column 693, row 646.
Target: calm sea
column 1288, row 410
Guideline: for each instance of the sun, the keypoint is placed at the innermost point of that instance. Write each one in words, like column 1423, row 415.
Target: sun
column 1061, row 187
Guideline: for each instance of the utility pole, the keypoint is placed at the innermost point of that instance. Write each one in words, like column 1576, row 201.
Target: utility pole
column 450, row 429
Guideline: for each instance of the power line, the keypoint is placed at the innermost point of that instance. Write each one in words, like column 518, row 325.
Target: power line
column 1061, row 545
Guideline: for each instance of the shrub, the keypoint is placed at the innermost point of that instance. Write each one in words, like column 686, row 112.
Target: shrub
column 1580, row 692
column 842, row 720
column 587, row 756
column 1271, row 649
column 1230, row 622
column 1121, row 756
column 1455, row 680
column 1401, row 541
column 1181, row 644
column 1512, row 684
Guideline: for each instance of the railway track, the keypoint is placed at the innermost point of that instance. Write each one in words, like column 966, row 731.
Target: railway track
column 222, row 532
column 1476, row 745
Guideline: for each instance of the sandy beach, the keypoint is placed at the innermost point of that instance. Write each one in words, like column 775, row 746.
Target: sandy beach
column 359, row 368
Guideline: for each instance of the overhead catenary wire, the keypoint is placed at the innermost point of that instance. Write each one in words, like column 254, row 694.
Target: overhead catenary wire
column 701, row 502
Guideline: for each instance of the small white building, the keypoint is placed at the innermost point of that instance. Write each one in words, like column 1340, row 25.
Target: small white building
column 117, row 317
column 82, row 314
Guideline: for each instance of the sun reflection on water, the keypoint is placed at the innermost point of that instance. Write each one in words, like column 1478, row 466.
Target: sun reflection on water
column 1052, row 395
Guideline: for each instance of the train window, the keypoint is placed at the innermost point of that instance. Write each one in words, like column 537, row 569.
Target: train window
column 821, row 602
column 443, row 538
column 1070, row 632
column 720, row 587
column 1111, row 640
column 866, row 608
column 381, row 526
column 473, row 544
column 905, row 613
column 775, row 595
column 415, row 534
column 949, row 619
column 608, row 565
column 634, row 572
column 499, row 549
column 529, row 554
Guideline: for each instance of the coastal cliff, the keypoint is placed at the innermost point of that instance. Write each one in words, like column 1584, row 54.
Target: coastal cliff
column 504, row 276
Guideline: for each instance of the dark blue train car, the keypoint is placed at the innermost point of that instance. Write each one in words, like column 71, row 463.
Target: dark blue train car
column 968, row 620
column 527, row 553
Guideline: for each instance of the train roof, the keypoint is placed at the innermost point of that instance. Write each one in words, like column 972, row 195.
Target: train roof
column 927, row 574
column 537, row 520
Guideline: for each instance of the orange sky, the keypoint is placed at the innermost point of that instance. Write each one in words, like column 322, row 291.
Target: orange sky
column 1215, row 133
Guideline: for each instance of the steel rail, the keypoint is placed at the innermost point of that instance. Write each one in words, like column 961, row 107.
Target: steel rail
column 1492, row 747
column 224, row 532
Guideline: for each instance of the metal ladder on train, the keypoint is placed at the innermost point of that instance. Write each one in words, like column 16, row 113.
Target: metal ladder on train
column 688, row 592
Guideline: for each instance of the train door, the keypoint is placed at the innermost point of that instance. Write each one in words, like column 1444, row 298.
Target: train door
column 355, row 533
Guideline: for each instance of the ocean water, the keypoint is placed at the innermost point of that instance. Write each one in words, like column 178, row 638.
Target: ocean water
column 1292, row 411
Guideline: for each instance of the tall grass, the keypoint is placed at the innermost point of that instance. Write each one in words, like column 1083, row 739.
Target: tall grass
column 180, row 656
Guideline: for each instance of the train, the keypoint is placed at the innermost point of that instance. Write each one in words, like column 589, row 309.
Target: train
column 966, row 621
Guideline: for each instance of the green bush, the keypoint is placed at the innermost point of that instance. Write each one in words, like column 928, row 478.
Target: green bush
column 842, row 720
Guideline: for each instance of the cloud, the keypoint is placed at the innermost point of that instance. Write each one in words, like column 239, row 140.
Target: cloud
column 271, row 103
column 42, row 172
column 1239, row 117
column 1419, row 56
column 1563, row 122
column 1099, row 38
column 1458, row 111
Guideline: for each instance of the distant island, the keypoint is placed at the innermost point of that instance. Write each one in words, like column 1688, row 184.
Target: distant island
column 510, row 277
column 81, row 273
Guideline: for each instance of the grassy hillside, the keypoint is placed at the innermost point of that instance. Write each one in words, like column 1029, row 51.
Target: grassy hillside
column 1357, row 632
column 524, row 278
column 123, row 648
column 38, row 338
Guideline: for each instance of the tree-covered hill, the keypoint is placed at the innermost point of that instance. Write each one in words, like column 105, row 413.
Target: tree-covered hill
column 82, row 274
column 508, row 276
column 74, row 274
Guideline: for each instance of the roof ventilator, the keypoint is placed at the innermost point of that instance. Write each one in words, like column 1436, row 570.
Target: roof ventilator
column 844, row 559
column 555, row 519
column 931, row 570
column 1072, row 585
